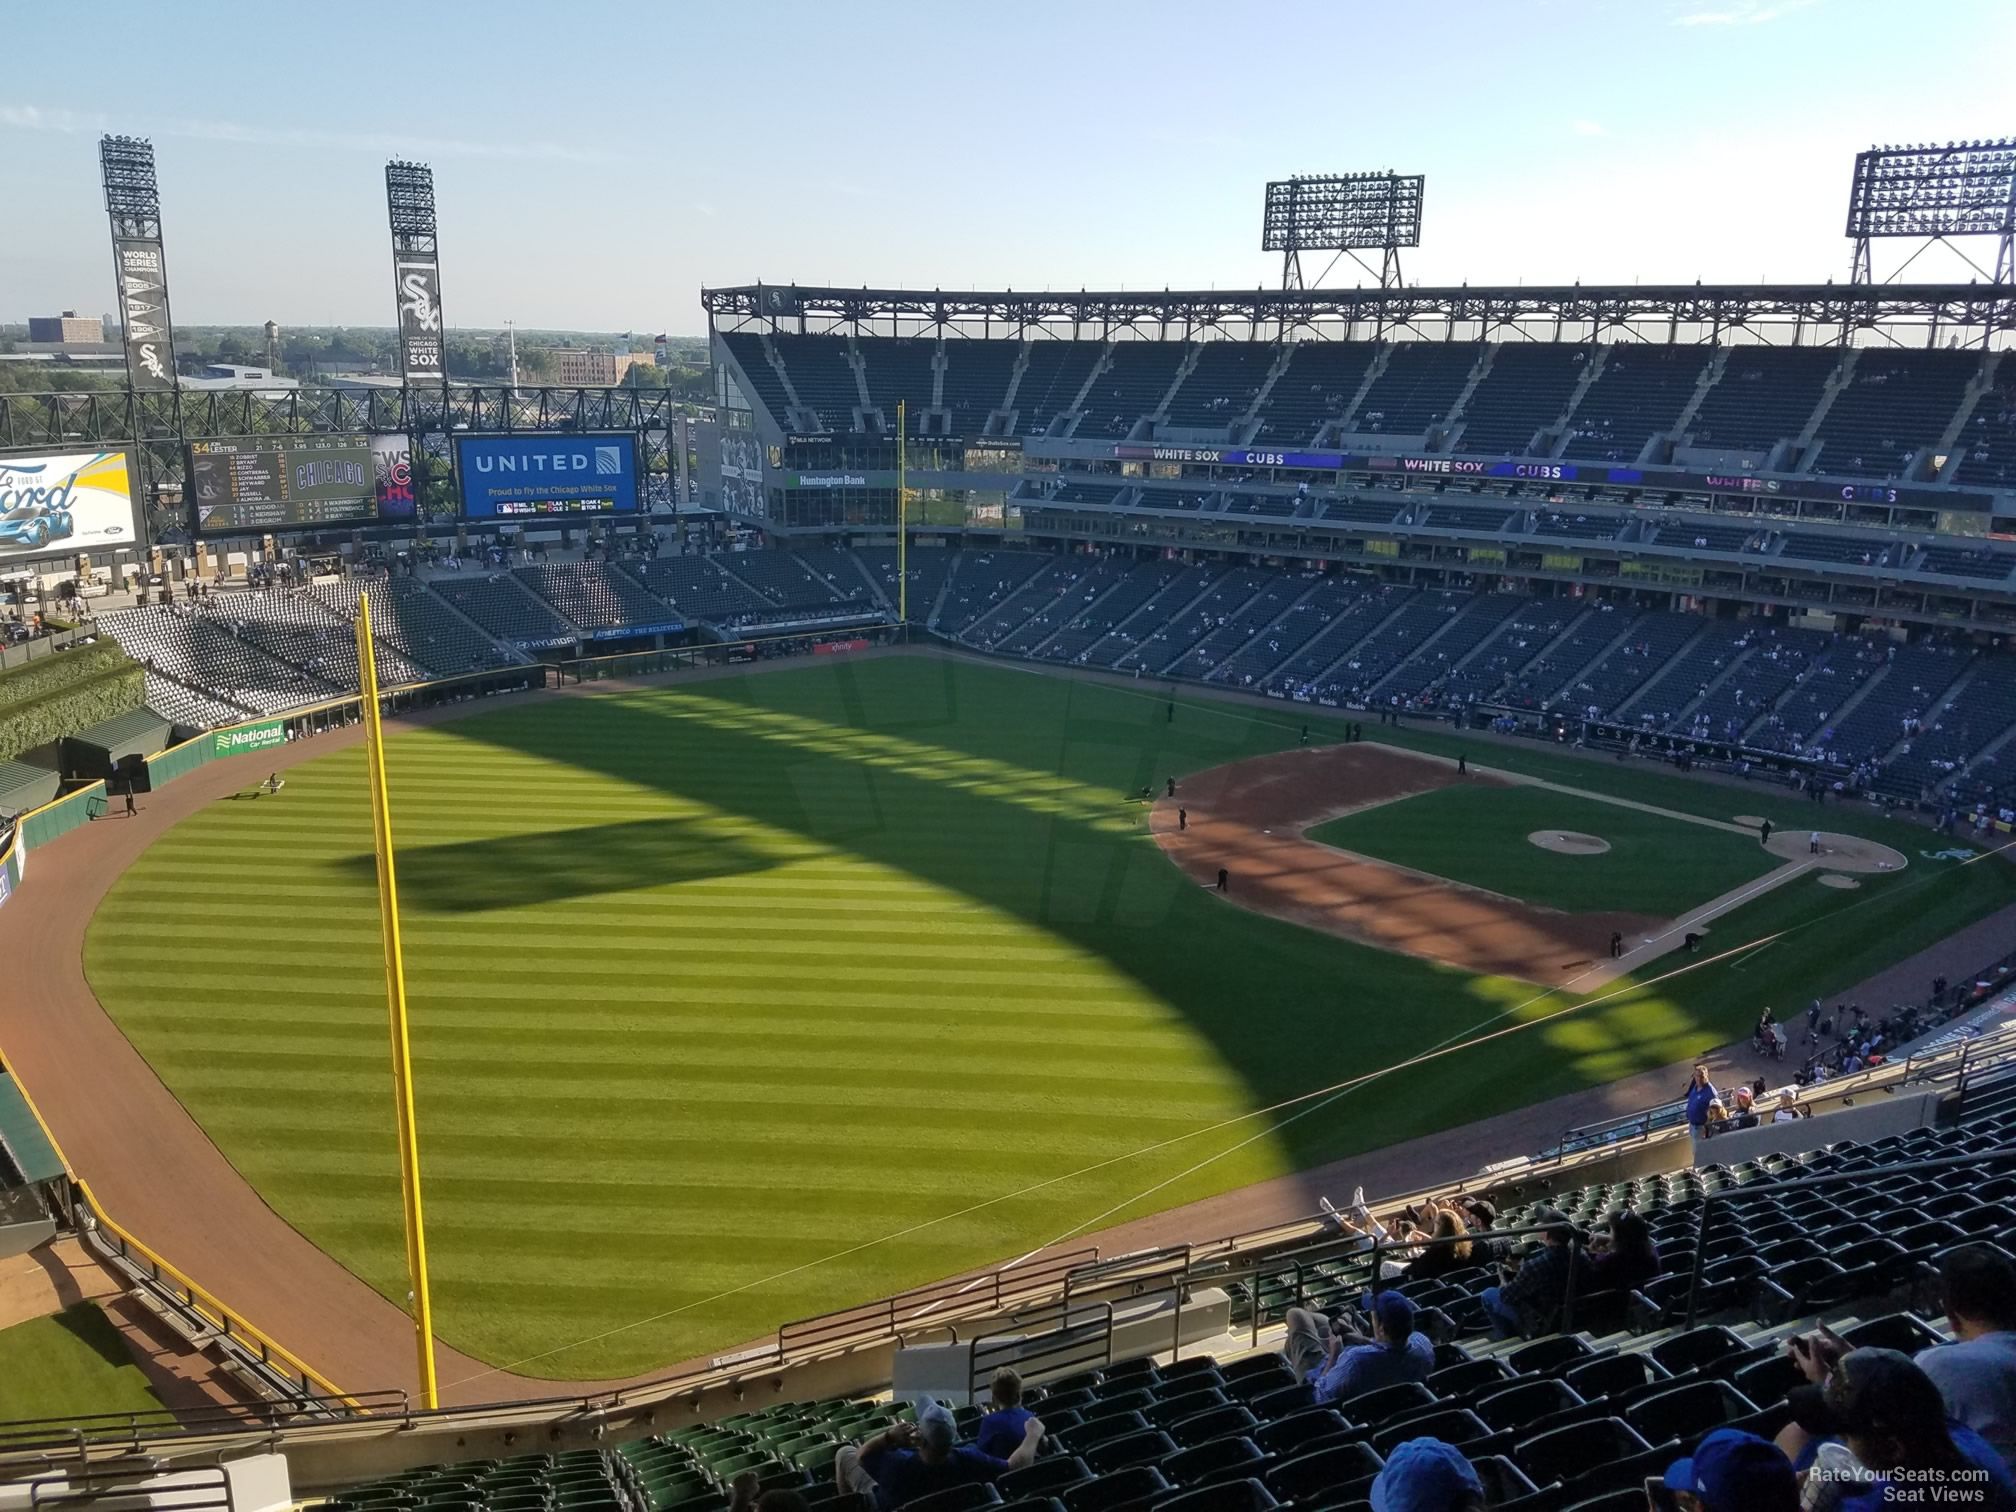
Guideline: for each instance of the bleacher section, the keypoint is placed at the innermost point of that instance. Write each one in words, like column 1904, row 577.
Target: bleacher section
column 1549, row 522
column 1168, row 598
column 982, row 579
column 1523, row 637
column 1987, row 443
column 1918, row 675
column 1276, row 592
column 899, row 368
column 823, row 377
column 1820, row 696
column 1075, row 592
column 297, row 628
column 1525, row 391
column 976, row 381
column 794, row 588
column 747, row 349
column 1359, row 674
column 698, row 589
column 1550, row 671
column 1659, row 704
column 1896, row 403
column 1133, row 384
column 1303, row 674
column 595, row 595
column 1765, row 395
column 186, row 706
column 1980, row 713
column 1473, row 618
column 1638, row 395
column 1419, row 387
column 1165, row 648
column 1648, row 648
column 1775, row 659
column 196, row 650
column 1324, row 602
column 1050, row 383
column 1224, row 384
column 505, row 609
column 1321, row 378
column 406, row 615
column 926, row 567
column 1011, row 612
column 1094, row 620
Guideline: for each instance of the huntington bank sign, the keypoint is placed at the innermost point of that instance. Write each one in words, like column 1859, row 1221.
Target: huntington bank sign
column 254, row 737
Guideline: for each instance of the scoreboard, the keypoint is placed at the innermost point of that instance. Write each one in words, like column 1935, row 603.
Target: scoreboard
column 279, row 482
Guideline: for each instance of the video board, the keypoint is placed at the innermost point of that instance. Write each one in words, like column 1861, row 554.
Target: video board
column 523, row 476
column 279, row 482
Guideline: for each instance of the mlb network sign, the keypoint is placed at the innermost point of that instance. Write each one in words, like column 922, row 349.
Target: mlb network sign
column 534, row 475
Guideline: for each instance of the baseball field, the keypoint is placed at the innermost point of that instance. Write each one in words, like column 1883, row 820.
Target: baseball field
column 740, row 1000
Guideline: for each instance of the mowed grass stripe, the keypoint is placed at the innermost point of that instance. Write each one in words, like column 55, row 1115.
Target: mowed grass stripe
column 711, row 982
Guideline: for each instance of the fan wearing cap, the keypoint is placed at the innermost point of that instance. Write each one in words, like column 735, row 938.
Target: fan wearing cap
column 906, row 1461
column 1733, row 1471
column 1427, row 1475
column 1891, row 1418
column 1352, row 1363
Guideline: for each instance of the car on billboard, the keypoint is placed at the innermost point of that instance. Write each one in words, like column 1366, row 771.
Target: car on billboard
column 47, row 502
column 34, row 524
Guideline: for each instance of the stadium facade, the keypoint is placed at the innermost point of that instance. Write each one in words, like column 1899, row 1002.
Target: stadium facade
column 1846, row 449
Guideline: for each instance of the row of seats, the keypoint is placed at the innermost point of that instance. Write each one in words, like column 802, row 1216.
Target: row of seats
column 1890, row 406
column 1573, row 1412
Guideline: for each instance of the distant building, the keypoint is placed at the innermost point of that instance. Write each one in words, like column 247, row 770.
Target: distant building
column 579, row 367
column 231, row 375
column 67, row 329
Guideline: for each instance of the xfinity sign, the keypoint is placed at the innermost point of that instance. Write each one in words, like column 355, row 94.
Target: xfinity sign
column 506, row 476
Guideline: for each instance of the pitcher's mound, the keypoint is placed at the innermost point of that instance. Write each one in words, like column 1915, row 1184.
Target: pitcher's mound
column 1841, row 853
column 1569, row 842
column 1835, row 879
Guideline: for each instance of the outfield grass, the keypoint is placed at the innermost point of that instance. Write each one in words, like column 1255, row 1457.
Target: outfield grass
column 1477, row 835
column 733, row 1002
column 69, row 1364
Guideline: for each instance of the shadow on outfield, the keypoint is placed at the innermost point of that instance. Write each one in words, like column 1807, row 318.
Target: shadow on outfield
column 514, row 870
column 1285, row 1008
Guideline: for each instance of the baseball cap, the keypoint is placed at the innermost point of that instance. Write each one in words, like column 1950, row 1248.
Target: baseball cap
column 1425, row 1475
column 1734, row 1471
column 1395, row 1314
column 934, row 1424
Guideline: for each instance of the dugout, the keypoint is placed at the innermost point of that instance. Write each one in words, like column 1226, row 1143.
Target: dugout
column 116, row 749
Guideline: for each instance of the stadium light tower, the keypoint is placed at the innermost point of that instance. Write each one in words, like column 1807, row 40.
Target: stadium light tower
column 1935, row 194
column 1345, row 213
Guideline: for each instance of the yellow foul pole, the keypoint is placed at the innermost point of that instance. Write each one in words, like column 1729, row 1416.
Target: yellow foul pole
column 395, row 993
column 902, row 512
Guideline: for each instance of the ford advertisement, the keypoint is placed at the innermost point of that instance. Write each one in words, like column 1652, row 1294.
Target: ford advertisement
column 521, row 477
column 66, row 503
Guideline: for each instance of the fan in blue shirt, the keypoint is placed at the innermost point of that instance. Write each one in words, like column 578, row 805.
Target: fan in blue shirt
column 1395, row 1353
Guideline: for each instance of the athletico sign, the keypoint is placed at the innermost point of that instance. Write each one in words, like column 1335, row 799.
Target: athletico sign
column 256, row 737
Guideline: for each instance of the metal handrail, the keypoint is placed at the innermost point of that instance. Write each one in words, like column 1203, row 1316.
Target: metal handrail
column 1774, row 1186
column 1032, row 1355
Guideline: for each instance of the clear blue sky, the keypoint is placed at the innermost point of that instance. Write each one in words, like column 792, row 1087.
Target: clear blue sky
column 596, row 164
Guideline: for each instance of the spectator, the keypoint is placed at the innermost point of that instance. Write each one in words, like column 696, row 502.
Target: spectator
column 1454, row 1254
column 1744, row 1117
column 1788, row 1109
column 1341, row 1362
column 1625, row 1258
column 1976, row 1374
column 1427, row 1475
column 1533, row 1290
column 1700, row 1094
column 906, row 1461
column 1734, row 1471
column 1000, row 1431
column 1890, row 1416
